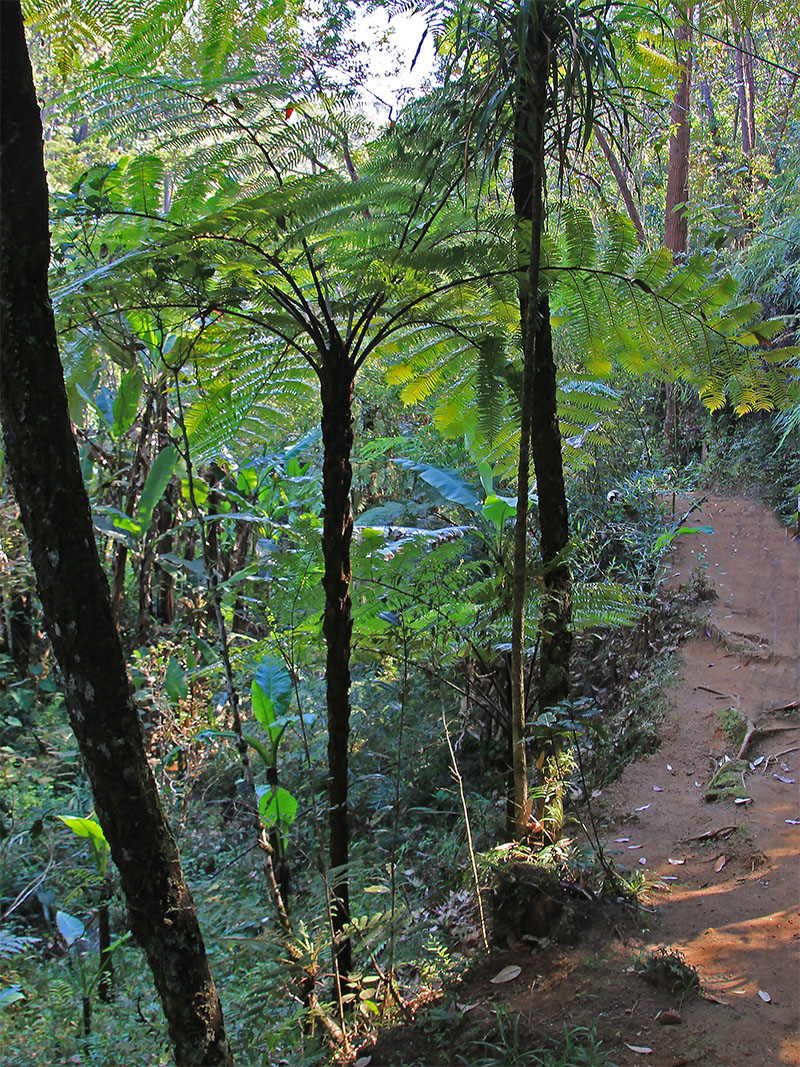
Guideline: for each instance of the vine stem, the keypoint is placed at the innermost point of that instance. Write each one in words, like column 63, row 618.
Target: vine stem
column 460, row 782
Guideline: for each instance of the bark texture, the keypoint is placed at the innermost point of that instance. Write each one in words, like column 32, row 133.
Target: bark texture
column 45, row 473
column 528, row 190
column 540, row 437
column 336, row 391
column 676, row 219
column 555, row 641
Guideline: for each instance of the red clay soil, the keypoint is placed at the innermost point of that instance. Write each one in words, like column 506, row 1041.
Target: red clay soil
column 727, row 901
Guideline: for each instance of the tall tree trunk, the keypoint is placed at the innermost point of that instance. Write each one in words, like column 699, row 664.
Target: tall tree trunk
column 336, row 392
column 46, row 476
column 676, row 220
column 528, row 189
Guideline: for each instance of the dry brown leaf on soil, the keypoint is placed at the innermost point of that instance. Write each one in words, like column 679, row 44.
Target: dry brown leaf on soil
column 508, row 974
column 720, row 863
column 645, row 1051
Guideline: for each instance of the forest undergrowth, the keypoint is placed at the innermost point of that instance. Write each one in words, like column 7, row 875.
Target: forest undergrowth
column 416, row 920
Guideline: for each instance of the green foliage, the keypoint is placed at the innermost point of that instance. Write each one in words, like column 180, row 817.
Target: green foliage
column 668, row 968
column 93, row 831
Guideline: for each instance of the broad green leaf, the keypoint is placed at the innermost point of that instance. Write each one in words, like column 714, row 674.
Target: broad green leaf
column 126, row 402
column 496, row 509
column 69, row 927
column 278, row 807
column 669, row 536
column 449, row 484
column 92, row 830
column 85, row 828
column 157, row 481
column 175, row 682
column 10, row 995
column 271, row 693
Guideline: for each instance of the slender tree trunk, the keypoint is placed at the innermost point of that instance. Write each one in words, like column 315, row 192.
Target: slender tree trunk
column 528, row 188
column 135, row 483
column 46, row 476
column 164, row 518
column 748, row 63
column 336, row 391
column 622, row 183
column 676, row 220
column 741, row 90
column 105, row 985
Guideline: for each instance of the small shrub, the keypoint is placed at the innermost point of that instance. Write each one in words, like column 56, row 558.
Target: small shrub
column 668, row 969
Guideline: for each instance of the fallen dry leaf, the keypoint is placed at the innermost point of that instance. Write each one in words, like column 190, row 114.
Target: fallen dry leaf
column 675, row 863
column 720, row 863
column 764, row 996
column 508, row 974
column 645, row 1051
column 644, row 807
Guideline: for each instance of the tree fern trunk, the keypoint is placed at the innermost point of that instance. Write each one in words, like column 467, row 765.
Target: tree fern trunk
column 528, row 187
column 336, row 391
column 555, row 641
column 539, row 430
column 46, row 476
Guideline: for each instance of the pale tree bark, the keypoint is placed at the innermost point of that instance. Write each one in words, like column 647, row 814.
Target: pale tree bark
column 676, row 220
column 622, row 182
column 45, row 473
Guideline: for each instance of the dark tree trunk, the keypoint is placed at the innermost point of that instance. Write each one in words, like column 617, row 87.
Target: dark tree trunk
column 539, row 431
column 336, row 391
column 528, row 190
column 555, row 641
column 46, row 476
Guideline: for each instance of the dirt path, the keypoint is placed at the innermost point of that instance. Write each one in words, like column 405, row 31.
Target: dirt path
column 736, row 922
column 728, row 902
